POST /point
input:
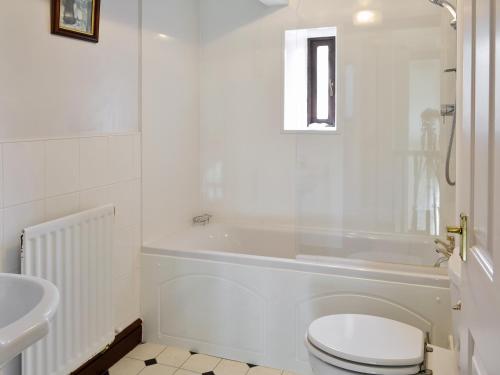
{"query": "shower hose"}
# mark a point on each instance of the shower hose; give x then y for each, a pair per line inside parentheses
(450, 149)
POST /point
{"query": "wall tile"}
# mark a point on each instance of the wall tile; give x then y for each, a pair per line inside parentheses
(126, 299)
(93, 162)
(61, 170)
(24, 177)
(61, 206)
(138, 155)
(126, 245)
(15, 220)
(123, 158)
(1, 176)
(126, 197)
(171, 117)
(2, 268)
(94, 198)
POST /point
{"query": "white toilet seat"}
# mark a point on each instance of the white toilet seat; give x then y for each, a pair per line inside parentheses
(366, 344)
(358, 367)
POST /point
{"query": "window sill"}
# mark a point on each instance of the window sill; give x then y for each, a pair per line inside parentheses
(330, 131)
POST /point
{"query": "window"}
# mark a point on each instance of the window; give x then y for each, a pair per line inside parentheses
(321, 81)
(311, 80)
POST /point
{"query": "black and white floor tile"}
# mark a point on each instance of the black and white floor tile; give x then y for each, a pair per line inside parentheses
(153, 359)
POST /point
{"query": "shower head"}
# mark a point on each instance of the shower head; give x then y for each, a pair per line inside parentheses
(448, 6)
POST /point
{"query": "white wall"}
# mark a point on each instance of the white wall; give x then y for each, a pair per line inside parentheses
(53, 92)
(55, 86)
(213, 113)
(170, 67)
(360, 179)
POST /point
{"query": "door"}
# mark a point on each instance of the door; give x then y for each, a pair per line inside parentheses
(478, 184)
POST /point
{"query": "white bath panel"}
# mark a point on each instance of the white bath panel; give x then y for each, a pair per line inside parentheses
(256, 309)
(210, 309)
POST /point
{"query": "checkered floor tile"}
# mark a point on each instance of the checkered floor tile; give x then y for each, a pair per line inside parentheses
(153, 359)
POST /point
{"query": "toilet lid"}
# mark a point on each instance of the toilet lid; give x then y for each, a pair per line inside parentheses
(360, 368)
(368, 340)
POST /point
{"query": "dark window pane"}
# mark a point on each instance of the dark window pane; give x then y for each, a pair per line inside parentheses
(321, 81)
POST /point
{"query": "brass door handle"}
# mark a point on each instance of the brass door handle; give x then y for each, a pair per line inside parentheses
(454, 230)
(462, 231)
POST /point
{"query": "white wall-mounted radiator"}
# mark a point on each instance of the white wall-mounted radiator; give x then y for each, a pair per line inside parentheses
(75, 253)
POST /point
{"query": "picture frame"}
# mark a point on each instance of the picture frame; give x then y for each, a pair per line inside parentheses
(77, 19)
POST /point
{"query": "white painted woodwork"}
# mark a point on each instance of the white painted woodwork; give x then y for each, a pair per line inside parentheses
(478, 152)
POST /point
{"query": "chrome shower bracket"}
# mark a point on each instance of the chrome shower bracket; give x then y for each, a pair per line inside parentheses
(447, 110)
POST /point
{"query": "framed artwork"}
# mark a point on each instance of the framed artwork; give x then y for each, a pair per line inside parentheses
(76, 19)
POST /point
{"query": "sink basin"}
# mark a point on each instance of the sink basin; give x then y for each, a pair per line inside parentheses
(27, 304)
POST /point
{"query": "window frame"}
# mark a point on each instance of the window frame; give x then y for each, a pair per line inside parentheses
(312, 74)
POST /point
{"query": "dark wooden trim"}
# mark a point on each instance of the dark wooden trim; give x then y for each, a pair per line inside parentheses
(124, 342)
(312, 46)
(55, 17)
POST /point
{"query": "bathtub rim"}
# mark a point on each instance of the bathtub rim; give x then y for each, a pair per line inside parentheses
(353, 268)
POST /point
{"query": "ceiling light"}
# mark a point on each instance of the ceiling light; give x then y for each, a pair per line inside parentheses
(365, 17)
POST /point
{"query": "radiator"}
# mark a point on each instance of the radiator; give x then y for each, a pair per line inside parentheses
(75, 253)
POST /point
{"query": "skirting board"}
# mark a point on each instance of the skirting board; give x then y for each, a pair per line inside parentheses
(124, 342)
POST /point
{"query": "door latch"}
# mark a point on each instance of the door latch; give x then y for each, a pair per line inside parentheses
(462, 231)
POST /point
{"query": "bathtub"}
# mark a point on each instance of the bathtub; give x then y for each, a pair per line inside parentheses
(248, 293)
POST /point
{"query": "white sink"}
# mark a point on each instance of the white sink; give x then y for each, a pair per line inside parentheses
(27, 305)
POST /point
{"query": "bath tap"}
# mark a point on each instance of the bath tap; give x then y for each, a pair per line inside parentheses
(202, 219)
(446, 247)
(441, 260)
(444, 253)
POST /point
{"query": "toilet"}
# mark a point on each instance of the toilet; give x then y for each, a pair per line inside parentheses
(363, 344)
